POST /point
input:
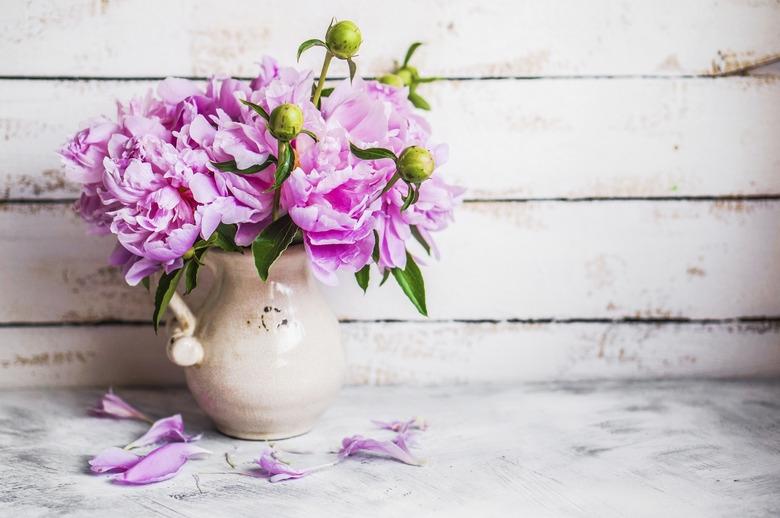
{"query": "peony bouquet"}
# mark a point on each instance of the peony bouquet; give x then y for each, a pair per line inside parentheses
(350, 172)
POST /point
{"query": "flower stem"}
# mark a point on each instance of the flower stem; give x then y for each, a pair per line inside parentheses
(278, 192)
(321, 83)
(390, 184)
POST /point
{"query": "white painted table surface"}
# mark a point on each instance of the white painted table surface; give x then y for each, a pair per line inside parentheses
(650, 448)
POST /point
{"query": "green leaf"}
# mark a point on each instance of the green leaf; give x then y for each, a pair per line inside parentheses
(145, 282)
(162, 296)
(374, 153)
(352, 69)
(271, 242)
(420, 239)
(257, 108)
(411, 198)
(191, 275)
(409, 53)
(385, 276)
(306, 45)
(326, 92)
(311, 134)
(193, 268)
(284, 167)
(231, 167)
(419, 102)
(411, 281)
(225, 238)
(375, 252)
(362, 277)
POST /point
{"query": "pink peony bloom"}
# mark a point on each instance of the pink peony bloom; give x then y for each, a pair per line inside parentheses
(363, 118)
(269, 70)
(432, 212)
(381, 116)
(149, 179)
(404, 121)
(334, 206)
(224, 197)
(83, 155)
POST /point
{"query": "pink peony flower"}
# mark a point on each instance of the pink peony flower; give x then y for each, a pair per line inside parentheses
(363, 118)
(83, 155)
(333, 203)
(149, 179)
(224, 197)
(404, 121)
(432, 212)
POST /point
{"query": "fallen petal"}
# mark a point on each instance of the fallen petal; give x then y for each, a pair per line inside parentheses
(111, 405)
(406, 439)
(161, 464)
(401, 426)
(351, 445)
(166, 429)
(276, 470)
(113, 459)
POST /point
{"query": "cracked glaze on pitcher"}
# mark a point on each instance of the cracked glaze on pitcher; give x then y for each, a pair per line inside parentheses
(263, 360)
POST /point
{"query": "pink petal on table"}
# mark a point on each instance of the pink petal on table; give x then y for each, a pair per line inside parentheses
(113, 459)
(276, 471)
(166, 429)
(111, 405)
(161, 464)
(401, 426)
(406, 439)
(351, 445)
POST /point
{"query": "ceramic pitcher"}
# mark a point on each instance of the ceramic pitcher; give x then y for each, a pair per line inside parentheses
(262, 359)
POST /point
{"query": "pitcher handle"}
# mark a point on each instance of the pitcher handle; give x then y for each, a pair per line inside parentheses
(183, 348)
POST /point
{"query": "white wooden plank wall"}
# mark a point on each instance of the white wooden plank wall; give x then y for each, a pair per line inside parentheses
(622, 160)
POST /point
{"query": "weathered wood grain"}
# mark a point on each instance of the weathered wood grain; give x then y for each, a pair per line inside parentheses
(464, 39)
(556, 139)
(417, 353)
(681, 448)
(620, 259)
(78, 356)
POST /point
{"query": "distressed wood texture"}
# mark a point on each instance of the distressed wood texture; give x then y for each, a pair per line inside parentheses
(465, 39)
(642, 449)
(619, 259)
(415, 353)
(558, 138)
(621, 159)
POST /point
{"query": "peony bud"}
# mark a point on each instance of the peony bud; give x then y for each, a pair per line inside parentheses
(392, 80)
(286, 122)
(343, 39)
(415, 164)
(408, 75)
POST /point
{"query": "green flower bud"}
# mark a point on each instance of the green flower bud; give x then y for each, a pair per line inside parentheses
(392, 80)
(415, 164)
(286, 122)
(343, 39)
(408, 75)
(189, 253)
